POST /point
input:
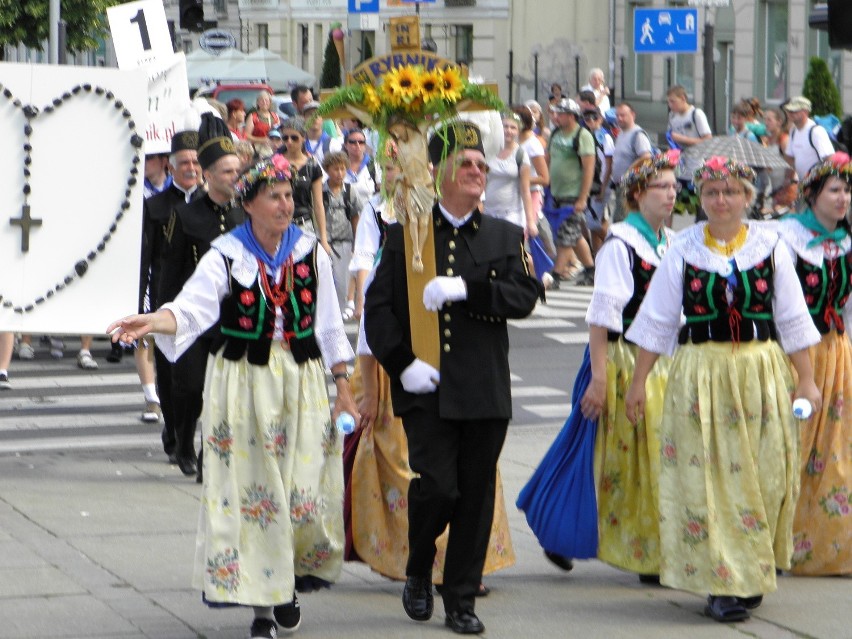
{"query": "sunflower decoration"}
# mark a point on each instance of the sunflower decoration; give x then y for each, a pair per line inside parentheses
(452, 85)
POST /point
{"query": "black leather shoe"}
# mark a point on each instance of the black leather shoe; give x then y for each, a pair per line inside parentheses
(417, 598)
(464, 623)
(750, 603)
(558, 560)
(187, 466)
(725, 609)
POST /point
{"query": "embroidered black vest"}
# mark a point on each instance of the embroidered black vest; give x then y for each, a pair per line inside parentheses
(710, 317)
(826, 288)
(248, 317)
(641, 272)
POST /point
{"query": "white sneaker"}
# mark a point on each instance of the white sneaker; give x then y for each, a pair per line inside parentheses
(547, 281)
(57, 348)
(86, 361)
(25, 351)
(152, 413)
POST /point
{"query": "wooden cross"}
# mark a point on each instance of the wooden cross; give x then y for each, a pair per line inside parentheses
(26, 222)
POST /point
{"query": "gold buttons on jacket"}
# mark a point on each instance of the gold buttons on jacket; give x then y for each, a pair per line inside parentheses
(449, 271)
(452, 245)
(451, 259)
(455, 232)
(446, 317)
(446, 348)
(222, 228)
(447, 333)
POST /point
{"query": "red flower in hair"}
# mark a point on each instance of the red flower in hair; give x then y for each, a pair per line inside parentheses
(716, 163)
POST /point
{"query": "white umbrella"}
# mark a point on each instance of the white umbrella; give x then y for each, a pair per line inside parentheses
(203, 68)
(739, 149)
(263, 65)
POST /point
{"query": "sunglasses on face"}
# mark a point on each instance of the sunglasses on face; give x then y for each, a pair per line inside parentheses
(591, 117)
(359, 142)
(467, 163)
(291, 138)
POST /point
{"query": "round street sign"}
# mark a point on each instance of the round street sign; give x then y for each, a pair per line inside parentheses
(217, 40)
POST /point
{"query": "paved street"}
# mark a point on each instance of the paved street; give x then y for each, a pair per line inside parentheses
(97, 531)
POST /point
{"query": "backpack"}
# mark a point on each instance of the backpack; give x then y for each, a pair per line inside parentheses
(831, 124)
(596, 178)
(347, 200)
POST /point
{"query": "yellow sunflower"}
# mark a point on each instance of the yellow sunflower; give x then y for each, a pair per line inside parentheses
(371, 99)
(401, 85)
(451, 84)
(431, 84)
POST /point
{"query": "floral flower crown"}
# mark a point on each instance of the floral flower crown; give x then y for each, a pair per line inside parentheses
(718, 167)
(838, 165)
(640, 172)
(269, 171)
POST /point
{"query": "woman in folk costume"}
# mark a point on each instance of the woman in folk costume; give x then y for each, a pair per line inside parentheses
(376, 468)
(729, 446)
(271, 517)
(819, 241)
(626, 457)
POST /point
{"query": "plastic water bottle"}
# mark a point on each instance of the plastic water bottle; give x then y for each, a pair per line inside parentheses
(345, 423)
(802, 408)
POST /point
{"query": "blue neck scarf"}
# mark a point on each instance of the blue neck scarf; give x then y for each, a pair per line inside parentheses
(810, 222)
(245, 234)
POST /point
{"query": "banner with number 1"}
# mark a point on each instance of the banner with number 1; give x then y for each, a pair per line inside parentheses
(140, 33)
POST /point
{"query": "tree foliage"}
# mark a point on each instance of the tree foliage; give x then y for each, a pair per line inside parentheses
(27, 22)
(820, 89)
(330, 76)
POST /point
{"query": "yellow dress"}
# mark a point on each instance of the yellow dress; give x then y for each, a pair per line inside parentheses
(627, 466)
(379, 497)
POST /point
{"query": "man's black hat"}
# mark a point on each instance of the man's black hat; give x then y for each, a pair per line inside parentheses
(452, 137)
(214, 140)
(185, 141)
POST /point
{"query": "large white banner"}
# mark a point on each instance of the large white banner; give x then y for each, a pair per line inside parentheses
(71, 176)
(168, 102)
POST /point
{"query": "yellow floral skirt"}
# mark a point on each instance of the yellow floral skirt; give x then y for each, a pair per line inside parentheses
(822, 528)
(272, 500)
(627, 466)
(379, 484)
(728, 469)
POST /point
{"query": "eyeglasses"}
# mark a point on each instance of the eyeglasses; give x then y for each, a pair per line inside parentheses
(358, 142)
(590, 117)
(291, 138)
(711, 194)
(666, 186)
(467, 163)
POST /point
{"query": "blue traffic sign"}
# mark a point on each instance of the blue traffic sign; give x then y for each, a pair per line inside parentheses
(363, 6)
(664, 30)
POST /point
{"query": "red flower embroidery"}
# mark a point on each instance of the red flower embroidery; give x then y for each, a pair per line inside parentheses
(761, 285)
(305, 322)
(695, 285)
(245, 323)
(757, 308)
(247, 298)
(759, 264)
(700, 309)
(809, 299)
(306, 296)
(812, 279)
(302, 271)
(645, 266)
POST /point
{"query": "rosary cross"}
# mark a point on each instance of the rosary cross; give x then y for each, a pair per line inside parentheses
(26, 222)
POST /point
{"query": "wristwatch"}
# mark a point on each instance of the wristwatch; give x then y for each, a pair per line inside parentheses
(337, 376)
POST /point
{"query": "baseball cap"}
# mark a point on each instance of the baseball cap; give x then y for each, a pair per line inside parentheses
(566, 105)
(798, 103)
(274, 133)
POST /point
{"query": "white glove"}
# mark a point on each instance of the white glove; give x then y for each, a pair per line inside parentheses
(443, 289)
(420, 378)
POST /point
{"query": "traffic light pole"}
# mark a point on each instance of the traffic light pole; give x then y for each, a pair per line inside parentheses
(53, 32)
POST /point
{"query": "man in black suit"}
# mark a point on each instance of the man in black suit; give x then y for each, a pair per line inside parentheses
(156, 213)
(455, 418)
(191, 229)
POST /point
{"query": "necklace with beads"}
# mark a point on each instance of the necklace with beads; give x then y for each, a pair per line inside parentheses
(26, 222)
(725, 248)
(277, 292)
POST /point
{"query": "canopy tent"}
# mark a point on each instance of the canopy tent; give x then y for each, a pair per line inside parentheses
(263, 65)
(203, 68)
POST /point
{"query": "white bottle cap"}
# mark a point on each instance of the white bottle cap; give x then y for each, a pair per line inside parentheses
(802, 408)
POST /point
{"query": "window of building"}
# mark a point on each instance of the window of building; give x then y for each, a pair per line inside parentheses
(684, 72)
(221, 7)
(304, 45)
(775, 52)
(464, 42)
(262, 35)
(818, 47)
(640, 64)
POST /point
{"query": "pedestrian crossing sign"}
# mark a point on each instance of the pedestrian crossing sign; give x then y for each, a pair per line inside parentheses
(665, 30)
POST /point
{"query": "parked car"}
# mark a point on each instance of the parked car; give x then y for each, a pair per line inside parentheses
(247, 92)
